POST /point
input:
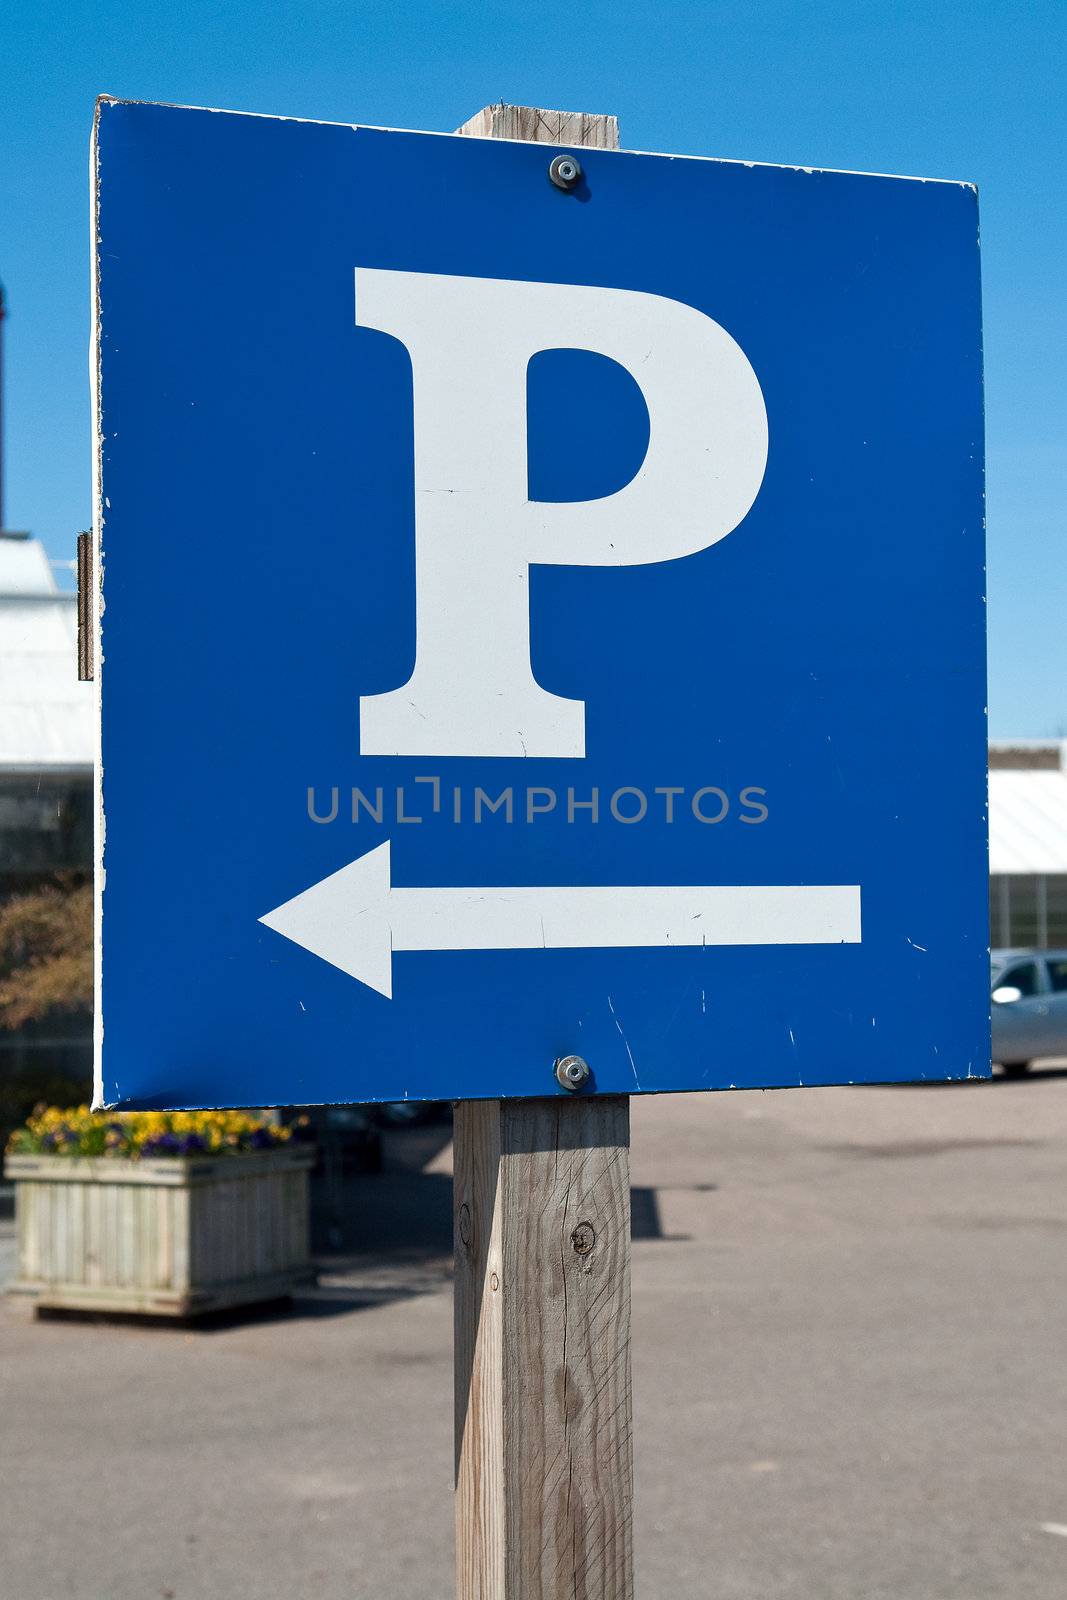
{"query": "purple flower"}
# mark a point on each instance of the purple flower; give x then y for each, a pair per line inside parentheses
(162, 1144)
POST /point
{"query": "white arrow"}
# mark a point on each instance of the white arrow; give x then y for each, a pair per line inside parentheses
(355, 919)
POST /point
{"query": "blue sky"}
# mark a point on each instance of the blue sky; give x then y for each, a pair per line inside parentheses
(944, 90)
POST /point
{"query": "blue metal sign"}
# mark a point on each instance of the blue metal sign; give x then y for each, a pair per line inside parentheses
(536, 621)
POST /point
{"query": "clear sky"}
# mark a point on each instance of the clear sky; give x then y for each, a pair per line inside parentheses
(958, 90)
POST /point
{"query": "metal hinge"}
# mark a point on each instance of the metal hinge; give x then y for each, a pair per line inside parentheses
(86, 612)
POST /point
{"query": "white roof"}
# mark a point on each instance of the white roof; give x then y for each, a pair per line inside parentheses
(1027, 821)
(46, 716)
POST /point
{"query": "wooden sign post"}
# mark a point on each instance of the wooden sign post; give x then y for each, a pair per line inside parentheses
(544, 1457)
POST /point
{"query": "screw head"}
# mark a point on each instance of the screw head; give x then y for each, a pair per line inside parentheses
(564, 171)
(572, 1073)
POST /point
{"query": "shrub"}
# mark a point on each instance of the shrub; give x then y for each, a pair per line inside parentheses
(46, 953)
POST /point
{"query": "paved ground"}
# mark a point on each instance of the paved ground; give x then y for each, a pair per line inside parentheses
(850, 1370)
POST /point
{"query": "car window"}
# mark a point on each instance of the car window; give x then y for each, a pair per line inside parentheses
(1023, 977)
(1057, 971)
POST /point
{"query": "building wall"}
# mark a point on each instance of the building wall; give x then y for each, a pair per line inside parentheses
(45, 838)
(46, 808)
(1028, 910)
(46, 826)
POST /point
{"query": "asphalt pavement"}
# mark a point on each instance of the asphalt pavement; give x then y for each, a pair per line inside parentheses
(850, 1378)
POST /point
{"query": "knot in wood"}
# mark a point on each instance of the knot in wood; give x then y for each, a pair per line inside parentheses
(466, 1226)
(583, 1238)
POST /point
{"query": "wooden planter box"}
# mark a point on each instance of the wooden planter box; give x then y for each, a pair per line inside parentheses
(171, 1236)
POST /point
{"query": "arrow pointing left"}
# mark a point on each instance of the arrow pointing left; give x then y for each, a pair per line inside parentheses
(355, 919)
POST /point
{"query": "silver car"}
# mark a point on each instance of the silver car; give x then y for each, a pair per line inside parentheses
(1029, 1007)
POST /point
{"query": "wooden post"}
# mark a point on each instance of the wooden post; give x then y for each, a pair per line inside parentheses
(544, 1469)
(567, 128)
(544, 1456)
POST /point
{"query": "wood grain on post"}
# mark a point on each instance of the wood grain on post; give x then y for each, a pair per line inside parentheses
(538, 126)
(544, 1468)
(544, 1455)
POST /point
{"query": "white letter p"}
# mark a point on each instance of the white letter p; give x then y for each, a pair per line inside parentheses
(472, 692)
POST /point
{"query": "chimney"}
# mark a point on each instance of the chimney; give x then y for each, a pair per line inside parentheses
(5, 532)
(2, 314)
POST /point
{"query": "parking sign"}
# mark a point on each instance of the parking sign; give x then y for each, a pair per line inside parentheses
(538, 618)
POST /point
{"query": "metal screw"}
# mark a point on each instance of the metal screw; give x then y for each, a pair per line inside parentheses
(564, 171)
(572, 1073)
